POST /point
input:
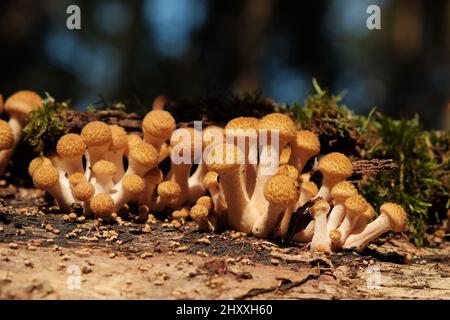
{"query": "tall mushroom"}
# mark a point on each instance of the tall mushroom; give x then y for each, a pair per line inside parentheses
(117, 149)
(392, 218)
(97, 137)
(335, 167)
(6, 143)
(104, 173)
(354, 208)
(320, 238)
(70, 149)
(157, 127)
(339, 193)
(305, 146)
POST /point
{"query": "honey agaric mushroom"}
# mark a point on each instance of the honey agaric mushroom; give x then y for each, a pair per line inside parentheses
(169, 193)
(84, 191)
(289, 171)
(339, 193)
(117, 148)
(142, 158)
(305, 146)
(97, 137)
(102, 205)
(131, 187)
(36, 163)
(152, 179)
(392, 218)
(18, 106)
(335, 167)
(354, 208)
(46, 178)
(308, 190)
(274, 123)
(70, 149)
(157, 127)
(320, 238)
(6, 143)
(103, 173)
(281, 191)
(211, 183)
(335, 239)
(76, 178)
(132, 140)
(225, 159)
(363, 220)
(202, 213)
(245, 131)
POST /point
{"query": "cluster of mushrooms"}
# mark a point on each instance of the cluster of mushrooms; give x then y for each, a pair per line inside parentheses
(217, 181)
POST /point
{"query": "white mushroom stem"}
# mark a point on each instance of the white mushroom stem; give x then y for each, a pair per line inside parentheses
(241, 214)
(195, 185)
(97, 153)
(372, 231)
(116, 157)
(267, 221)
(59, 165)
(360, 225)
(320, 240)
(180, 174)
(347, 224)
(336, 216)
(306, 234)
(121, 197)
(103, 184)
(72, 165)
(327, 184)
(62, 195)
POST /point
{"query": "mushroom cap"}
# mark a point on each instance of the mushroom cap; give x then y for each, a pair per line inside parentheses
(169, 189)
(281, 122)
(102, 205)
(199, 212)
(23, 102)
(159, 124)
(133, 139)
(36, 163)
(6, 136)
(119, 138)
(210, 180)
(84, 191)
(309, 187)
(285, 155)
(206, 202)
(396, 214)
(76, 178)
(356, 204)
(96, 133)
(244, 123)
(336, 165)
(154, 176)
(45, 177)
(307, 142)
(342, 190)
(281, 190)
(182, 213)
(212, 134)
(224, 157)
(133, 184)
(369, 214)
(104, 168)
(289, 171)
(70, 145)
(320, 206)
(144, 154)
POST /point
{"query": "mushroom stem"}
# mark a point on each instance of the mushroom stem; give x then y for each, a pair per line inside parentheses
(336, 216)
(196, 188)
(373, 230)
(320, 240)
(116, 157)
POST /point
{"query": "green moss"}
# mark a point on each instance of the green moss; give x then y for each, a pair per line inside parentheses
(45, 125)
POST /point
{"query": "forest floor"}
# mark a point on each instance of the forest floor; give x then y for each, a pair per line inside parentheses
(44, 257)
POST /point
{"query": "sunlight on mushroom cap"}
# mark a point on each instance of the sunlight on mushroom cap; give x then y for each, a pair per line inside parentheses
(45, 177)
(70, 145)
(96, 133)
(342, 190)
(336, 165)
(396, 214)
(84, 191)
(159, 124)
(281, 122)
(281, 190)
(119, 138)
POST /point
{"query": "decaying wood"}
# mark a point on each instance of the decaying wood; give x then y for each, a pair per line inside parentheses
(75, 120)
(374, 166)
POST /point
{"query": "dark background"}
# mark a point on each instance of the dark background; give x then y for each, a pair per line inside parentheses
(137, 49)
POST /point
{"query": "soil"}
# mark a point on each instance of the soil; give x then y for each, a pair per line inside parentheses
(44, 257)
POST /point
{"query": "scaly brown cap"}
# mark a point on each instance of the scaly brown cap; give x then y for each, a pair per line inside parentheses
(199, 212)
(104, 168)
(281, 191)
(133, 184)
(133, 139)
(212, 134)
(145, 155)
(84, 191)
(336, 165)
(224, 157)
(119, 138)
(309, 187)
(206, 202)
(96, 133)
(6, 136)
(210, 180)
(45, 177)
(22, 103)
(169, 189)
(244, 123)
(289, 171)
(369, 214)
(356, 204)
(159, 124)
(320, 206)
(396, 214)
(70, 145)
(342, 190)
(37, 163)
(76, 178)
(102, 205)
(307, 143)
(281, 122)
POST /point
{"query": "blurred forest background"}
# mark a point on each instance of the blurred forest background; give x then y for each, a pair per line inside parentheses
(138, 49)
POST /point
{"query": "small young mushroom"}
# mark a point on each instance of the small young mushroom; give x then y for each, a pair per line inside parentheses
(76, 178)
(335, 239)
(157, 127)
(202, 213)
(305, 146)
(142, 158)
(97, 137)
(102, 205)
(339, 193)
(226, 159)
(211, 183)
(18, 106)
(47, 178)
(281, 191)
(335, 167)
(84, 191)
(131, 186)
(366, 217)
(169, 193)
(392, 218)
(104, 173)
(117, 148)
(70, 149)
(6, 143)
(354, 208)
(36, 163)
(319, 213)
(152, 179)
